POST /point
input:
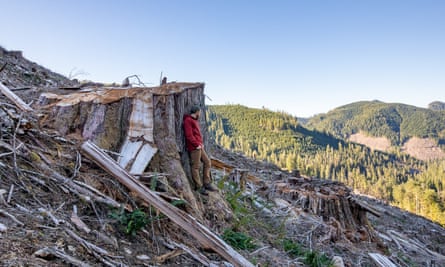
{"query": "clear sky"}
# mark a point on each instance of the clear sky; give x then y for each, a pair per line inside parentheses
(299, 56)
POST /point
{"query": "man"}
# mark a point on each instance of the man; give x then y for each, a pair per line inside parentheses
(195, 147)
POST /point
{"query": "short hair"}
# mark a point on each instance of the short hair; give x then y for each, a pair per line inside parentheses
(194, 109)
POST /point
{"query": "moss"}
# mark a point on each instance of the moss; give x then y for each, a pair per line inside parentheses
(34, 157)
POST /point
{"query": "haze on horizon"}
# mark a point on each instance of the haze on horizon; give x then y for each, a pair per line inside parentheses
(301, 57)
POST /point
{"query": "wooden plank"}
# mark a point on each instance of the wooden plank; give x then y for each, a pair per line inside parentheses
(14, 98)
(128, 152)
(142, 159)
(203, 235)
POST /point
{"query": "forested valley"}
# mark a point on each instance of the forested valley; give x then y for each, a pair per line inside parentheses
(277, 137)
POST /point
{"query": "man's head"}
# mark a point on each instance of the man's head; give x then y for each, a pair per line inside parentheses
(195, 111)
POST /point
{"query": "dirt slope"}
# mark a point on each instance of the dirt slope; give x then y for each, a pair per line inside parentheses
(376, 143)
(420, 148)
(423, 148)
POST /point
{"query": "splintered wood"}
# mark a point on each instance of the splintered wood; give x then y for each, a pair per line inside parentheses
(109, 116)
(139, 148)
(381, 260)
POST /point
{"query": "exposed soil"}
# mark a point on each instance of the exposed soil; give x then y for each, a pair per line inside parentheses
(376, 143)
(423, 148)
(420, 148)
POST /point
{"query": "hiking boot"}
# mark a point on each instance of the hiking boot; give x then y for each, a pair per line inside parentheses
(211, 187)
(203, 191)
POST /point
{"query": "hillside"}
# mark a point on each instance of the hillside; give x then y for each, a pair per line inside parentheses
(58, 207)
(375, 123)
(20, 74)
(261, 133)
(386, 176)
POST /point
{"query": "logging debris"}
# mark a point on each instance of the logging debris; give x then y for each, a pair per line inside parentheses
(60, 202)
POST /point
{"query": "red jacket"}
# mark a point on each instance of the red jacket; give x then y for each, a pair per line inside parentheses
(192, 132)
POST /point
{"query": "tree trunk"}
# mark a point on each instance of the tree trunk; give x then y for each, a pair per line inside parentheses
(169, 136)
(138, 124)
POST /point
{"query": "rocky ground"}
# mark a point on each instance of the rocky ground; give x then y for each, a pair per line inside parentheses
(404, 238)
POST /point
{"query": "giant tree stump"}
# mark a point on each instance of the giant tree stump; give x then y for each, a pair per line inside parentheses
(332, 201)
(139, 124)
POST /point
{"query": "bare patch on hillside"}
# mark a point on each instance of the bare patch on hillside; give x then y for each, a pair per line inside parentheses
(420, 148)
(375, 143)
(423, 148)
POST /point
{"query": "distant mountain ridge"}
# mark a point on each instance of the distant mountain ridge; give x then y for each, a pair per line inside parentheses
(398, 123)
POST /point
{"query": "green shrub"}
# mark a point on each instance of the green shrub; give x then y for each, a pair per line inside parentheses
(238, 240)
(316, 259)
(292, 248)
(132, 221)
(311, 258)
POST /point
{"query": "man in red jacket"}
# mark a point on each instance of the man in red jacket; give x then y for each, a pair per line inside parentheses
(195, 147)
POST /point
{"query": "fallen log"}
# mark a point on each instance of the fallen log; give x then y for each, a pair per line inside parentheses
(202, 234)
(220, 165)
(411, 245)
(366, 206)
(49, 252)
(14, 98)
(381, 260)
(192, 252)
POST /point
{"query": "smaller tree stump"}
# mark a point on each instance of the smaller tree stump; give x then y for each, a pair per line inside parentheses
(239, 178)
(332, 201)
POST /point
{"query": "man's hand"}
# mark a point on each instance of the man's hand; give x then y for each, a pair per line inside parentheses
(199, 147)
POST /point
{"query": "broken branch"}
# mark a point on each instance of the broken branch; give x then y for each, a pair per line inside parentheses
(45, 253)
(4, 213)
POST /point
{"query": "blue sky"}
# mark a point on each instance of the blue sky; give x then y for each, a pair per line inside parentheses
(302, 57)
